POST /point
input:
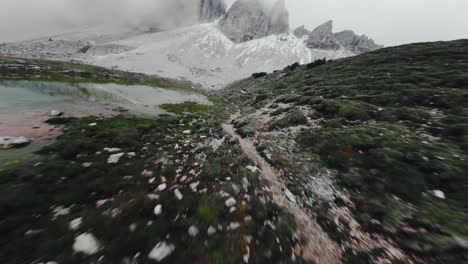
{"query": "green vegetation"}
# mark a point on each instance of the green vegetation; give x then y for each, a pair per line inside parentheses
(57, 71)
(259, 75)
(316, 63)
(394, 124)
(187, 107)
(291, 119)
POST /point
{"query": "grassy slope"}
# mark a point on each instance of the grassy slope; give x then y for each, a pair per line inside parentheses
(46, 70)
(394, 123)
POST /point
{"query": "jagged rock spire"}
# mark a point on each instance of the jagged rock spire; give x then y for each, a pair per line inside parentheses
(323, 38)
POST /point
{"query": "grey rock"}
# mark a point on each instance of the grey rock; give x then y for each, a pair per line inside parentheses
(357, 44)
(55, 113)
(6, 142)
(323, 38)
(301, 32)
(247, 20)
(210, 10)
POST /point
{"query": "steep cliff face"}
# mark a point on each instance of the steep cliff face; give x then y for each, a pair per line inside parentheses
(210, 10)
(279, 18)
(323, 38)
(357, 44)
(248, 19)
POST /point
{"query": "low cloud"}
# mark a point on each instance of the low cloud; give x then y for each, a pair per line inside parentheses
(24, 19)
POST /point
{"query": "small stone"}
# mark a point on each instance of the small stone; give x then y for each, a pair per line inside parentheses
(245, 184)
(194, 186)
(158, 209)
(230, 202)
(193, 231)
(235, 188)
(252, 168)
(13, 141)
(152, 196)
(87, 164)
(186, 132)
(162, 187)
(92, 124)
(86, 243)
(32, 232)
(111, 150)
(211, 231)
(233, 226)
(438, 194)
(60, 211)
(132, 227)
(113, 159)
(289, 195)
(75, 223)
(161, 251)
(55, 113)
(178, 194)
(216, 143)
(147, 173)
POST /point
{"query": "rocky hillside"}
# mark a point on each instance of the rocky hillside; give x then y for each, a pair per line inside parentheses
(375, 146)
(357, 160)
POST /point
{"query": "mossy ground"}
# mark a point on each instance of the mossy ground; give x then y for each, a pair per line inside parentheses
(392, 123)
(187, 107)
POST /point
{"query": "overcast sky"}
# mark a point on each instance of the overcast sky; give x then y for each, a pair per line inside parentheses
(389, 22)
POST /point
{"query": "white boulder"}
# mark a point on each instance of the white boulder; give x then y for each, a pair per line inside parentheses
(86, 243)
(161, 251)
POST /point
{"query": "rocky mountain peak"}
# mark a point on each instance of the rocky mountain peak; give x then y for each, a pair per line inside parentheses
(326, 27)
(322, 37)
(249, 19)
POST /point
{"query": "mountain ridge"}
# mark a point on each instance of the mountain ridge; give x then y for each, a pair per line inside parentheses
(231, 45)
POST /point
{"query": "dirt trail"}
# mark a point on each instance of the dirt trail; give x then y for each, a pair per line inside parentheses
(317, 246)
